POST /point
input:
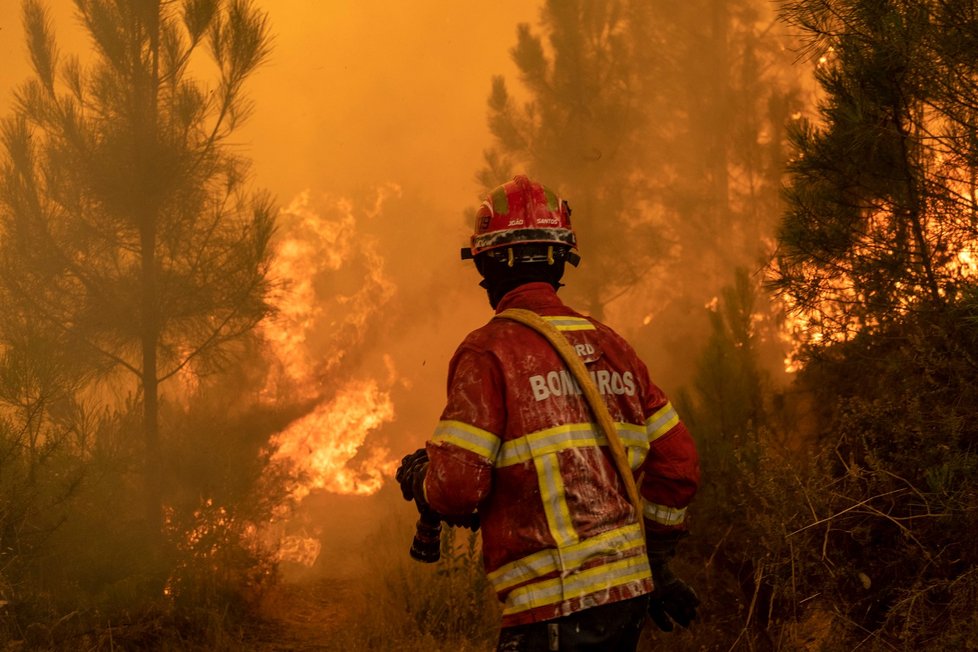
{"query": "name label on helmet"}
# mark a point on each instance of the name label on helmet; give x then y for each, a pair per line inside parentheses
(562, 383)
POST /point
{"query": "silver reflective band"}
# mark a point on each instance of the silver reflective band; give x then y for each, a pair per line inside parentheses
(551, 440)
(568, 559)
(661, 422)
(571, 435)
(578, 585)
(664, 515)
(481, 442)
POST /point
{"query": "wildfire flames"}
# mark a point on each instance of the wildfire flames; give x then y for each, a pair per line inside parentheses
(807, 326)
(333, 288)
(323, 444)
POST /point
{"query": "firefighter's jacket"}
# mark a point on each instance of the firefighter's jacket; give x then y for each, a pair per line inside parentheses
(517, 442)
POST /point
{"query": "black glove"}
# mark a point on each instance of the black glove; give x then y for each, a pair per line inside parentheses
(410, 475)
(672, 600)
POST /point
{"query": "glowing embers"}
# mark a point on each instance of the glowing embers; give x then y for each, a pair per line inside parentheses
(809, 326)
(893, 268)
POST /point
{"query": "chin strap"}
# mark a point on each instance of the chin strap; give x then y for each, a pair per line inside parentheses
(598, 407)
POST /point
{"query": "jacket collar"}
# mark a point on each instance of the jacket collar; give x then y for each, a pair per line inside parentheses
(538, 297)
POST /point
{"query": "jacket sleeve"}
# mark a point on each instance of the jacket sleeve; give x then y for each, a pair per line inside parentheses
(463, 450)
(670, 473)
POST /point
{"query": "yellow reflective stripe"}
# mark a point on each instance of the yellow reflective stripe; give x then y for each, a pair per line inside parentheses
(554, 502)
(635, 457)
(571, 435)
(631, 434)
(661, 422)
(663, 515)
(481, 442)
(570, 323)
(547, 441)
(577, 585)
(568, 559)
(635, 440)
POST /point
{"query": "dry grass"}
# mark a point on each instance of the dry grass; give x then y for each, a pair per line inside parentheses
(405, 605)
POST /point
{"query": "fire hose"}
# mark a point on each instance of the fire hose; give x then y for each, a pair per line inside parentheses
(426, 546)
(598, 407)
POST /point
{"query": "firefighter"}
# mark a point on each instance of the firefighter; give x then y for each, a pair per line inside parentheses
(517, 445)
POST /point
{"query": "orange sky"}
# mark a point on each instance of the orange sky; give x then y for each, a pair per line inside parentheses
(355, 94)
(358, 96)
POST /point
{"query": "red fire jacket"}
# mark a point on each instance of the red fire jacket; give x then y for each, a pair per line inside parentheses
(516, 441)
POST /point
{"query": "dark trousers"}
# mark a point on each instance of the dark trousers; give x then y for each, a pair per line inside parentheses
(611, 627)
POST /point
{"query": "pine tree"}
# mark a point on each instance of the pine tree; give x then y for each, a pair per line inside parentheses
(733, 91)
(664, 125)
(583, 131)
(126, 223)
(881, 219)
(725, 72)
(875, 252)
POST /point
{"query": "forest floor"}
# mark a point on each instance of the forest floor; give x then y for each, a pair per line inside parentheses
(300, 616)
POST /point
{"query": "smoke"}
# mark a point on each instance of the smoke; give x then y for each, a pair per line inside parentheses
(355, 102)
(368, 124)
(358, 316)
(369, 136)
(353, 95)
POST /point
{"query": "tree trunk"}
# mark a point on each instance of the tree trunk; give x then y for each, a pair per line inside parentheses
(147, 145)
(718, 163)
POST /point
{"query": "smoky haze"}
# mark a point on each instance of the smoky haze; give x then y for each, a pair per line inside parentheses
(372, 117)
(357, 97)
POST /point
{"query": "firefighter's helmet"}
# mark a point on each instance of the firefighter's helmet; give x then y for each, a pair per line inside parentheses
(523, 221)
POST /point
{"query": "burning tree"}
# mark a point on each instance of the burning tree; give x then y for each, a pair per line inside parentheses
(882, 208)
(876, 256)
(127, 227)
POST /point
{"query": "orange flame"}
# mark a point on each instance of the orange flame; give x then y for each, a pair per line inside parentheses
(804, 325)
(334, 289)
(323, 444)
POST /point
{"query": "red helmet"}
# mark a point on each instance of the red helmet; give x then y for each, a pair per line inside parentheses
(523, 212)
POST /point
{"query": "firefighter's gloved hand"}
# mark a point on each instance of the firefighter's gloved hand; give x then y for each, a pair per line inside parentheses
(672, 600)
(407, 472)
(410, 475)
